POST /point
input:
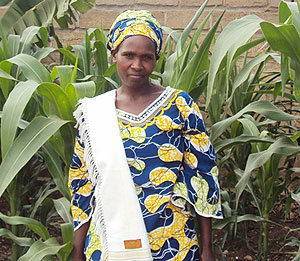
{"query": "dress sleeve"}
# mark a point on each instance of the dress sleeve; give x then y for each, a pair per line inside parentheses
(82, 190)
(197, 182)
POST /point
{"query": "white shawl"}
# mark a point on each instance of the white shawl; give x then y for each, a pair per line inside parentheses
(118, 217)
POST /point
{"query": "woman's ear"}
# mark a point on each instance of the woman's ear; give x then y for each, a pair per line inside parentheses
(113, 55)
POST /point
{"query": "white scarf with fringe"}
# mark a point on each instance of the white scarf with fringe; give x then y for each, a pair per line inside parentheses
(117, 214)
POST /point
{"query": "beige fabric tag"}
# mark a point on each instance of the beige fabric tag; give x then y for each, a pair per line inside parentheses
(132, 244)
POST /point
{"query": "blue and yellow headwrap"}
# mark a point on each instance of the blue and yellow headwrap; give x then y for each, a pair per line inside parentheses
(132, 23)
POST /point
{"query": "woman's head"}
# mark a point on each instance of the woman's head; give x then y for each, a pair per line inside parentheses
(131, 23)
(135, 40)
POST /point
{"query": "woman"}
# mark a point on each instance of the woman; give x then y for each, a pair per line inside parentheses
(153, 136)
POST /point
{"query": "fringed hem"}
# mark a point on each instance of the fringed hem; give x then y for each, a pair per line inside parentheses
(82, 125)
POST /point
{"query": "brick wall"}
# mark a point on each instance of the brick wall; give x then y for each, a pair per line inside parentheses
(173, 13)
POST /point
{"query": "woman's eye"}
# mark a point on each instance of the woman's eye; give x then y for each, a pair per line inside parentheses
(147, 57)
(129, 55)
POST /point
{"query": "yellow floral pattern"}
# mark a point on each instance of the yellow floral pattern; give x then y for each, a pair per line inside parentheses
(153, 202)
(176, 230)
(94, 243)
(183, 107)
(135, 133)
(169, 153)
(201, 187)
(78, 213)
(136, 163)
(200, 141)
(161, 175)
(165, 123)
(86, 190)
(190, 159)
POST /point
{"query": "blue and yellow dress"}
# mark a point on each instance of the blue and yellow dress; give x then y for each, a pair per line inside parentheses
(172, 164)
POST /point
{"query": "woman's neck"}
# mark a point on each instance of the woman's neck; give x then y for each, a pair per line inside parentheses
(135, 100)
(136, 93)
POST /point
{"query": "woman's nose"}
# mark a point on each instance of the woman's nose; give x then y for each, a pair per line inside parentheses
(137, 64)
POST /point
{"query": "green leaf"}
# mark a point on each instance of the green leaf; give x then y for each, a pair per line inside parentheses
(283, 146)
(285, 71)
(34, 225)
(263, 107)
(172, 34)
(54, 166)
(22, 14)
(62, 207)
(43, 53)
(189, 28)
(68, 55)
(45, 210)
(85, 89)
(5, 75)
(245, 48)
(100, 55)
(71, 92)
(80, 51)
(40, 250)
(74, 73)
(22, 123)
(284, 39)
(65, 74)
(6, 83)
(296, 136)
(14, 44)
(220, 224)
(67, 231)
(29, 36)
(243, 74)
(249, 127)
(12, 112)
(25, 146)
(39, 202)
(198, 63)
(4, 2)
(284, 12)
(5, 49)
(21, 241)
(296, 197)
(83, 5)
(169, 69)
(234, 35)
(296, 22)
(59, 101)
(31, 67)
(221, 145)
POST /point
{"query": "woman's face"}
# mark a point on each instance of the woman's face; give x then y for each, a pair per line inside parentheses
(135, 59)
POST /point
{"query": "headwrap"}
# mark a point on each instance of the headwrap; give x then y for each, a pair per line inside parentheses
(132, 23)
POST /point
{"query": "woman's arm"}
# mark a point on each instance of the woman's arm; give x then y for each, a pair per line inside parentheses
(205, 226)
(79, 239)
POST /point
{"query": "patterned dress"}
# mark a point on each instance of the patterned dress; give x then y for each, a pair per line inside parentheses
(172, 164)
